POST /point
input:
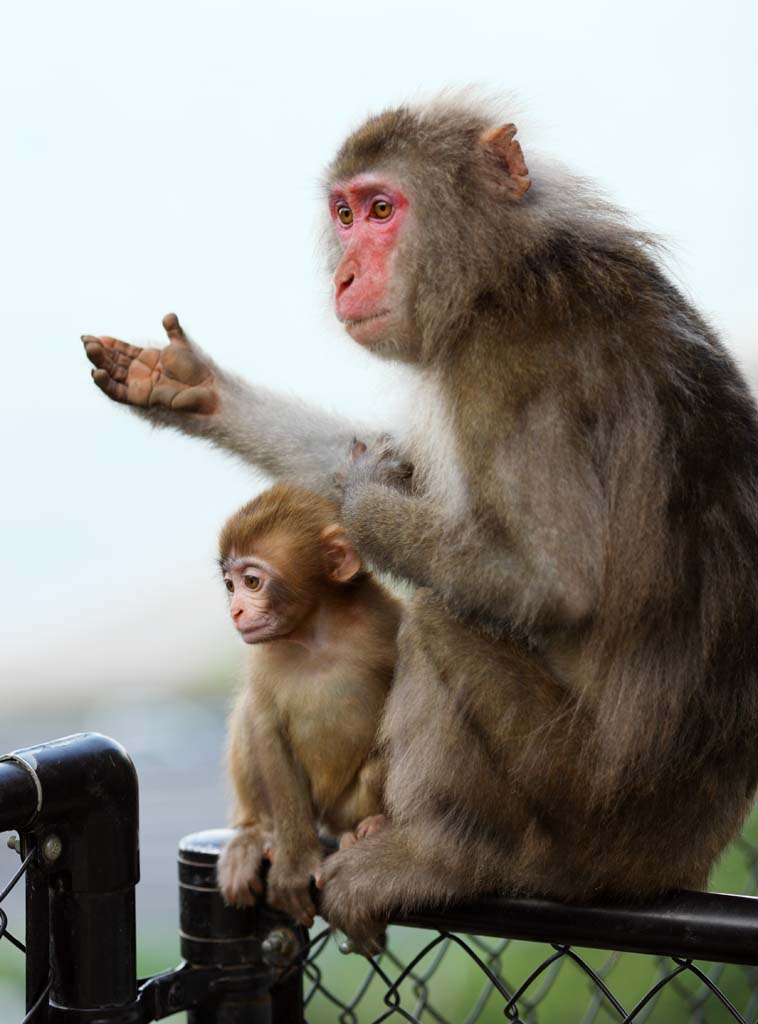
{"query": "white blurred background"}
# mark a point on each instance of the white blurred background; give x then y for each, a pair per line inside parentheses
(166, 156)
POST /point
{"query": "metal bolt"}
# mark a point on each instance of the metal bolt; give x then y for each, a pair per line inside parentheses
(14, 843)
(52, 848)
(346, 946)
(280, 944)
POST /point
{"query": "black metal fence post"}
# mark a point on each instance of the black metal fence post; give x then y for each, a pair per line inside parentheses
(79, 811)
(19, 803)
(247, 987)
(37, 939)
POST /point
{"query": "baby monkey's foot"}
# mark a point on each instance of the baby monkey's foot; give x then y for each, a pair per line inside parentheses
(374, 823)
(367, 827)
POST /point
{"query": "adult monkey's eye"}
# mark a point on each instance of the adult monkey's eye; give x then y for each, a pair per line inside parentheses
(229, 585)
(382, 209)
(345, 214)
(253, 582)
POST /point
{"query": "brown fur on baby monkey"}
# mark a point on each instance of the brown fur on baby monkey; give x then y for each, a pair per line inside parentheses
(303, 752)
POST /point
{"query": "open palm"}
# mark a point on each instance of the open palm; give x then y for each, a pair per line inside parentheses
(176, 377)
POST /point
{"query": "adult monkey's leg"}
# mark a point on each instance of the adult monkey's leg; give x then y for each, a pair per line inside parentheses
(180, 386)
(454, 724)
(383, 873)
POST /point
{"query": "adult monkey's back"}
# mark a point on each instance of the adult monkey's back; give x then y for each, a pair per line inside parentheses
(576, 708)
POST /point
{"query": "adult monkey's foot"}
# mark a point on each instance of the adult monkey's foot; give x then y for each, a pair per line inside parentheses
(358, 890)
(177, 377)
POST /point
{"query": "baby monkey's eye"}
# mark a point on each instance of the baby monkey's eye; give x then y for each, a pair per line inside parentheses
(345, 214)
(382, 209)
(229, 585)
(253, 582)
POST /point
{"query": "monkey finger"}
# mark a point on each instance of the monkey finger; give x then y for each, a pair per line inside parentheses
(372, 945)
(292, 900)
(255, 885)
(174, 329)
(357, 449)
(117, 372)
(307, 914)
(112, 388)
(327, 870)
(348, 839)
(368, 946)
(240, 891)
(114, 345)
(94, 350)
(245, 896)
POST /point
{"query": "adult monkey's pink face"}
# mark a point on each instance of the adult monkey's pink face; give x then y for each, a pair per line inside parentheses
(369, 214)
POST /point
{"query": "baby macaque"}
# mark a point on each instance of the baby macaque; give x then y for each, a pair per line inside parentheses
(303, 755)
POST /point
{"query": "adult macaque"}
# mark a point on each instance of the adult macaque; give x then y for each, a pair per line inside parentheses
(303, 737)
(575, 708)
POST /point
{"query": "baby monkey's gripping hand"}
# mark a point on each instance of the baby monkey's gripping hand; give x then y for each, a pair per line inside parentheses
(289, 883)
(178, 377)
(239, 867)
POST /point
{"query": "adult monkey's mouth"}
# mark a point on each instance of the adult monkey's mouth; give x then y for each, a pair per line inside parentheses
(348, 323)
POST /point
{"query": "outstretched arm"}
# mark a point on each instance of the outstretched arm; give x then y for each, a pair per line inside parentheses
(180, 387)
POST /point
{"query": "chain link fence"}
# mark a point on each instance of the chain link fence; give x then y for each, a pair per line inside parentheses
(456, 979)
(6, 934)
(453, 979)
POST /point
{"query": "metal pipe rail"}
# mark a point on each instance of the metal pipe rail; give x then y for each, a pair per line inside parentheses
(693, 925)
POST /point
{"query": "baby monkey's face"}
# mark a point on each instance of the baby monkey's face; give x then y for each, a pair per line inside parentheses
(283, 560)
(261, 604)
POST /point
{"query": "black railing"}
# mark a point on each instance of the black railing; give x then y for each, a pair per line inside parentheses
(73, 803)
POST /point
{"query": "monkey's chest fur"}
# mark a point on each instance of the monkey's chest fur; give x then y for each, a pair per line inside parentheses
(331, 730)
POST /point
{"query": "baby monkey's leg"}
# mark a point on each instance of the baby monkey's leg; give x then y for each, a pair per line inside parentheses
(364, 801)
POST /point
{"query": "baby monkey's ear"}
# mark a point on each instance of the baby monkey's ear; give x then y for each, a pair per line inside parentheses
(342, 560)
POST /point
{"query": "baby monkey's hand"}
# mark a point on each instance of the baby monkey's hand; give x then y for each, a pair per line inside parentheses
(238, 870)
(289, 884)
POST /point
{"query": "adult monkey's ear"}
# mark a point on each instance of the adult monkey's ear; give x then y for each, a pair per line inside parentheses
(501, 144)
(343, 562)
